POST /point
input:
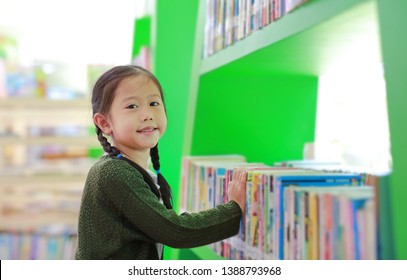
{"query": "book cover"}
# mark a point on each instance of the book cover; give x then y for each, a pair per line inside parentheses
(314, 178)
(333, 231)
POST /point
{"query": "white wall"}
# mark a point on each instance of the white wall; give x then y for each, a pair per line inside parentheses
(92, 31)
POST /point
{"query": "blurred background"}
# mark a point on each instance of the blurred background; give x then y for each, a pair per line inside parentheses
(71, 35)
(51, 53)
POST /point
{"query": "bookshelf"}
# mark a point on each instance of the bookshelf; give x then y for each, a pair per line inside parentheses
(264, 87)
(40, 191)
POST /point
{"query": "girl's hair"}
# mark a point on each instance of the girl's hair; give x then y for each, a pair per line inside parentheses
(102, 98)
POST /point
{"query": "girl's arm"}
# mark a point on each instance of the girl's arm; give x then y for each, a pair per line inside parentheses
(141, 208)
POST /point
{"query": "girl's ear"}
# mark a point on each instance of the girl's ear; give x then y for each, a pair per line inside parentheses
(103, 123)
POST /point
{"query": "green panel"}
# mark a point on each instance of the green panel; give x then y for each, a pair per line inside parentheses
(266, 118)
(173, 55)
(142, 34)
(175, 33)
(393, 21)
(199, 253)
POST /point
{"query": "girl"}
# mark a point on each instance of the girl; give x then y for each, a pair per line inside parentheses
(126, 210)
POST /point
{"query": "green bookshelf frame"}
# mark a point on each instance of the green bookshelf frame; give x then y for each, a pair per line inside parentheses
(394, 45)
(266, 86)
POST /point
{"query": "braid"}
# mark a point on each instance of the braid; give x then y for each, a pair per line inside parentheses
(111, 150)
(165, 188)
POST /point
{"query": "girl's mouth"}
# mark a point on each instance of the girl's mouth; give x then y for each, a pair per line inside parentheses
(147, 130)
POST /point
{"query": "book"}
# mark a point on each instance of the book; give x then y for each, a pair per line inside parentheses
(331, 232)
(256, 235)
(190, 170)
(315, 178)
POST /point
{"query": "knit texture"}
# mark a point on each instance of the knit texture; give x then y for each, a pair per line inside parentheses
(121, 218)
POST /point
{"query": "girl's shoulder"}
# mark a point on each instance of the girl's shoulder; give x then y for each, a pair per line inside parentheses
(113, 167)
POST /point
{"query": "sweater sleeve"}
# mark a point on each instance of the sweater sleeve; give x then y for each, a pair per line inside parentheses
(141, 208)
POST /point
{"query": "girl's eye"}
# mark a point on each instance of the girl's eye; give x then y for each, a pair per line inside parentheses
(132, 106)
(154, 103)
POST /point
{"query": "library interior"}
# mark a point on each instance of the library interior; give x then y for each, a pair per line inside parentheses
(307, 95)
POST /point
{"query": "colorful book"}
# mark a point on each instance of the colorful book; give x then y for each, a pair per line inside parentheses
(312, 179)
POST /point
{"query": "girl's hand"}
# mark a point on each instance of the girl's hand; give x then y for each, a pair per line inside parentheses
(237, 188)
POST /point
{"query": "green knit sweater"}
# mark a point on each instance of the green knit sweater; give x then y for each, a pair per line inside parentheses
(121, 218)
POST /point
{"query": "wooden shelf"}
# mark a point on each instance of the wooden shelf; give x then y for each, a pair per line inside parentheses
(26, 222)
(38, 111)
(43, 103)
(53, 179)
(49, 140)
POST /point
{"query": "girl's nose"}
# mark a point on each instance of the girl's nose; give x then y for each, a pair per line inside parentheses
(147, 115)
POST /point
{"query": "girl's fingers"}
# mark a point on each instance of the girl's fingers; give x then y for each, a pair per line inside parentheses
(239, 170)
(243, 176)
(235, 175)
(239, 175)
(239, 178)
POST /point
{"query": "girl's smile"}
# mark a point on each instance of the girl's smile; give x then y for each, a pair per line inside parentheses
(147, 130)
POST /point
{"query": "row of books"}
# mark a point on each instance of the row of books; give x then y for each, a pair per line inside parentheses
(43, 79)
(37, 200)
(329, 223)
(228, 21)
(291, 213)
(37, 246)
(46, 80)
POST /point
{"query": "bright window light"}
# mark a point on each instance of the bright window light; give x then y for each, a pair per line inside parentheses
(352, 121)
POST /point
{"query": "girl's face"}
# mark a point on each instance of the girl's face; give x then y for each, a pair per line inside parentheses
(137, 116)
